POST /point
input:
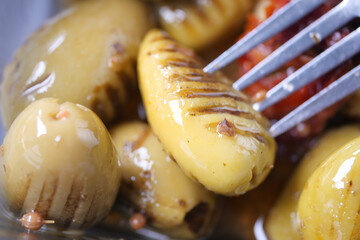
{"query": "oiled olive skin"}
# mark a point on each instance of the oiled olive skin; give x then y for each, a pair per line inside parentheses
(59, 161)
(154, 183)
(210, 128)
(197, 24)
(329, 204)
(282, 222)
(85, 55)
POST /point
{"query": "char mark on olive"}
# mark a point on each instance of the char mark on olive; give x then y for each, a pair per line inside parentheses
(257, 136)
(178, 62)
(160, 37)
(169, 49)
(219, 109)
(45, 200)
(210, 93)
(193, 77)
(90, 216)
(18, 202)
(72, 202)
(175, 48)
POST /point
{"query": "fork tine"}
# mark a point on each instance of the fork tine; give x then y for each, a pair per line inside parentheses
(307, 38)
(285, 17)
(336, 91)
(320, 65)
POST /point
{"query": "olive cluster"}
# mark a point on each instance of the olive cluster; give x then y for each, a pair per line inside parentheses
(76, 76)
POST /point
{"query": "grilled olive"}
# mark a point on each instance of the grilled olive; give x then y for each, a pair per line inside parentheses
(282, 221)
(329, 204)
(59, 161)
(212, 131)
(197, 24)
(85, 55)
(154, 184)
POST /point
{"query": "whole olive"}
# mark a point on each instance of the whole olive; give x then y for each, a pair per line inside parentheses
(85, 55)
(197, 24)
(59, 161)
(155, 185)
(211, 130)
(282, 222)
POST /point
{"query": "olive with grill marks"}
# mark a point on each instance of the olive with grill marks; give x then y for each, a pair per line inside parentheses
(212, 131)
(58, 160)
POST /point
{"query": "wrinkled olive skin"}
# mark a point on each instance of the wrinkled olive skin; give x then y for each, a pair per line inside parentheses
(211, 130)
(282, 223)
(197, 24)
(154, 183)
(329, 204)
(85, 55)
(59, 161)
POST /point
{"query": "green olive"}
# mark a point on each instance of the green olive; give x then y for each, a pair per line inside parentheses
(154, 183)
(59, 161)
(85, 55)
(197, 24)
(212, 131)
(329, 203)
(282, 222)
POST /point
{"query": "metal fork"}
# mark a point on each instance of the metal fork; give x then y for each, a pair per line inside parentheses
(343, 13)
